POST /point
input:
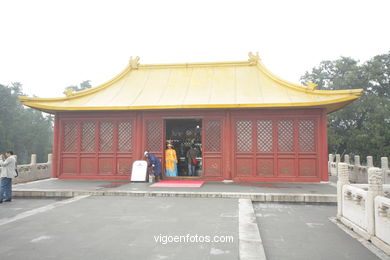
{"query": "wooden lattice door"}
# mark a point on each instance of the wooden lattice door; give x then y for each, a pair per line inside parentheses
(125, 147)
(308, 150)
(244, 147)
(69, 148)
(97, 147)
(212, 147)
(276, 148)
(154, 137)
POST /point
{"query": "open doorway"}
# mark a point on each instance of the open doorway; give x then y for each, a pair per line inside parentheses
(186, 137)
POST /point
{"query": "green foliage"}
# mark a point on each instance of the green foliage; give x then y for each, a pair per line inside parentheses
(23, 130)
(86, 84)
(362, 128)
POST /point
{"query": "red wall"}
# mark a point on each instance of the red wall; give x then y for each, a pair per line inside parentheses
(245, 145)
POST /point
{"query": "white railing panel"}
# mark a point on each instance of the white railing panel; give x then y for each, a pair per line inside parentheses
(382, 218)
(354, 205)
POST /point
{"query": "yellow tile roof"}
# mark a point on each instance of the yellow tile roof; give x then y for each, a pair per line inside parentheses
(244, 84)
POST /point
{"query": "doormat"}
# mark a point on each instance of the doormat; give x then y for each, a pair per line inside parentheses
(178, 184)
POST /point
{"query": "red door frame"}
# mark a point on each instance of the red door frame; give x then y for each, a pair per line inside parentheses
(187, 114)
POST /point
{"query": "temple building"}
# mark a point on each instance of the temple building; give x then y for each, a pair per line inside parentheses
(245, 123)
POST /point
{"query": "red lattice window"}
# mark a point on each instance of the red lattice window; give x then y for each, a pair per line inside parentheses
(244, 135)
(125, 136)
(106, 137)
(213, 135)
(154, 135)
(70, 137)
(306, 130)
(286, 136)
(88, 137)
(265, 136)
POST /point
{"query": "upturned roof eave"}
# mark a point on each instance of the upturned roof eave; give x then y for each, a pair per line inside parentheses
(330, 106)
(53, 104)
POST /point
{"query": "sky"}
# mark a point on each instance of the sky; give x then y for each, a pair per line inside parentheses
(48, 45)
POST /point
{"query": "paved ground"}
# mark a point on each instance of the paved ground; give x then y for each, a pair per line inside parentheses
(333, 179)
(249, 187)
(304, 231)
(119, 228)
(17, 206)
(123, 227)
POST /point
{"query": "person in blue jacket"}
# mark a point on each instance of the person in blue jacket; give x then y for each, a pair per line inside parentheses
(155, 164)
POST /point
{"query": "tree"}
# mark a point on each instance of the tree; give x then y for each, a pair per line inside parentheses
(362, 128)
(23, 130)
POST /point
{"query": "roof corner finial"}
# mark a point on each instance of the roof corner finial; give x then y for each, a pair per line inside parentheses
(134, 62)
(311, 85)
(69, 92)
(253, 59)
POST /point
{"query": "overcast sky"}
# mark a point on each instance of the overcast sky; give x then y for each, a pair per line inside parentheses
(48, 45)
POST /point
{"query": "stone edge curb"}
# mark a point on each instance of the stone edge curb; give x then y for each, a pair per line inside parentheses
(375, 248)
(258, 197)
(250, 243)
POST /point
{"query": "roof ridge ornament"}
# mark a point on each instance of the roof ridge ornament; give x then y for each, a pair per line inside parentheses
(253, 59)
(311, 85)
(134, 63)
(69, 92)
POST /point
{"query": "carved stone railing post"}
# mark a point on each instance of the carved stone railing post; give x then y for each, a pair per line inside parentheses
(346, 159)
(338, 159)
(49, 158)
(375, 188)
(370, 162)
(33, 159)
(385, 169)
(330, 160)
(356, 159)
(343, 179)
(356, 169)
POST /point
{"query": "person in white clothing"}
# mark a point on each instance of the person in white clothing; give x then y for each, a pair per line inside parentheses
(8, 167)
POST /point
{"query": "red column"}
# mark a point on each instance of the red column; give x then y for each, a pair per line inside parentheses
(55, 158)
(227, 155)
(324, 151)
(139, 134)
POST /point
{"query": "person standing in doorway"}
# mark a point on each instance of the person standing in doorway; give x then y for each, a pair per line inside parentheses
(170, 161)
(191, 160)
(155, 164)
(8, 167)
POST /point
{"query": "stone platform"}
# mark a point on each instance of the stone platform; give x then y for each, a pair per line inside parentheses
(255, 191)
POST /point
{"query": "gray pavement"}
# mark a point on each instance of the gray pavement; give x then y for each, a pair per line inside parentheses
(333, 179)
(17, 206)
(122, 228)
(304, 231)
(115, 185)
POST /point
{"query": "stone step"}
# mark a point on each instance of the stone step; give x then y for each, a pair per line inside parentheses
(261, 197)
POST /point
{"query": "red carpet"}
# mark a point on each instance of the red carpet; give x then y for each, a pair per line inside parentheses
(178, 184)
